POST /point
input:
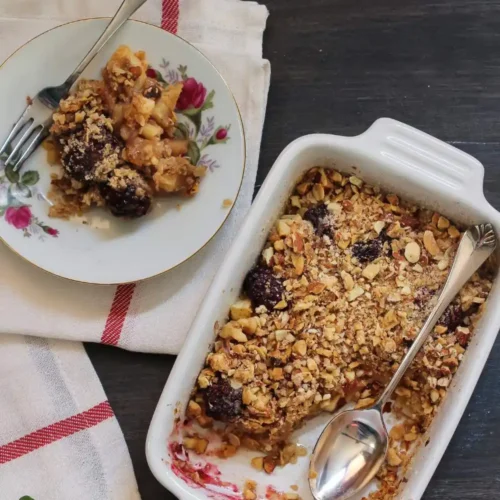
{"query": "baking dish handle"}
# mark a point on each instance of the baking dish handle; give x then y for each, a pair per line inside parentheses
(424, 159)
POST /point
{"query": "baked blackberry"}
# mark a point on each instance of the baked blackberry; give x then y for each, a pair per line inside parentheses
(319, 217)
(454, 316)
(263, 287)
(126, 193)
(366, 251)
(84, 150)
(222, 401)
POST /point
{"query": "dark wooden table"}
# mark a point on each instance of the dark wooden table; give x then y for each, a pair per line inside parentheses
(337, 65)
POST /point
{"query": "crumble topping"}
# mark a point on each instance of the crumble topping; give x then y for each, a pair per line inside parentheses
(344, 283)
(115, 141)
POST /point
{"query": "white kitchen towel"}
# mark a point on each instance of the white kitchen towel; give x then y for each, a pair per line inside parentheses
(153, 316)
(59, 438)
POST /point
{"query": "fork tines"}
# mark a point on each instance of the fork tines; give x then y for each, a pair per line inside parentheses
(26, 134)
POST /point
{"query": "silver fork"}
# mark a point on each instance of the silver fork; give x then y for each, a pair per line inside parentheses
(33, 125)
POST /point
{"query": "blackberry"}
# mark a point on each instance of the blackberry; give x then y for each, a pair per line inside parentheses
(263, 287)
(319, 217)
(366, 251)
(452, 317)
(81, 154)
(222, 401)
(126, 193)
(407, 342)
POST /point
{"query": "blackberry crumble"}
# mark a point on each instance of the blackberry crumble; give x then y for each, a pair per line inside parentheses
(322, 322)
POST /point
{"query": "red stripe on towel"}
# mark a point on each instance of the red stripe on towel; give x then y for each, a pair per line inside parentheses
(170, 15)
(117, 314)
(55, 432)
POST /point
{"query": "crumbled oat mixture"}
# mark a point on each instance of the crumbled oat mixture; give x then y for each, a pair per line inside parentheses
(122, 125)
(342, 287)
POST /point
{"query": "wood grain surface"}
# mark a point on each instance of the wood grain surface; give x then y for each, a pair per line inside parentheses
(338, 65)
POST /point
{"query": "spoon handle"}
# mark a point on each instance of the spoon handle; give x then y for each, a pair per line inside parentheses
(477, 244)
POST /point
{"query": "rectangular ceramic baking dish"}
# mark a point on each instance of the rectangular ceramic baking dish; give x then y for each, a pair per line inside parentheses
(399, 159)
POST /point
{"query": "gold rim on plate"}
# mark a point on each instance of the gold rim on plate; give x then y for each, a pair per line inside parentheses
(242, 170)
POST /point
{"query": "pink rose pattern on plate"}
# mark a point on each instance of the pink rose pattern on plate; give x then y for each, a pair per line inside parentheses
(199, 129)
(15, 191)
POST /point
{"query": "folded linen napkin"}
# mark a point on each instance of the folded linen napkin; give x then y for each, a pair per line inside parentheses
(59, 438)
(152, 316)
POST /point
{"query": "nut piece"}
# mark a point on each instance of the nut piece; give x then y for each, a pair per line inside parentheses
(365, 403)
(393, 458)
(239, 336)
(443, 264)
(283, 228)
(355, 293)
(390, 346)
(241, 309)
(229, 330)
(300, 347)
(378, 226)
(412, 252)
(370, 271)
(282, 304)
(430, 243)
(279, 245)
(298, 263)
(257, 463)
(249, 325)
(267, 255)
(198, 445)
(269, 465)
(348, 281)
(318, 192)
(453, 232)
(443, 223)
(397, 432)
(440, 329)
(193, 409)
(219, 362)
(356, 181)
(297, 243)
(334, 208)
(248, 494)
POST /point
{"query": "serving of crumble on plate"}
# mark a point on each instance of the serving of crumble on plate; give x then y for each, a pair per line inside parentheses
(116, 141)
(141, 155)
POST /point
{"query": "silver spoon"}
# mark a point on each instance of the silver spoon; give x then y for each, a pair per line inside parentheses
(353, 445)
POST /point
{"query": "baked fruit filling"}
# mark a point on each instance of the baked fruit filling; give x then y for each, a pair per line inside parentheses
(115, 140)
(344, 283)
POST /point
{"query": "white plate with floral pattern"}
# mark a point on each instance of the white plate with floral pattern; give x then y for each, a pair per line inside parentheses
(101, 248)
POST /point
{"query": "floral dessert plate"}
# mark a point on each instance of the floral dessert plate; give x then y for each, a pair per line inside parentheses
(98, 247)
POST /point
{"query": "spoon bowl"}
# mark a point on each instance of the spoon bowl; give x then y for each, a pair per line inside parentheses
(348, 454)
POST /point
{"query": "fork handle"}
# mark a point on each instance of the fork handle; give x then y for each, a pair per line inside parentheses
(127, 8)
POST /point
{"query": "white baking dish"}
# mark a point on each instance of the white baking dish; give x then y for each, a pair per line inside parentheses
(400, 159)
